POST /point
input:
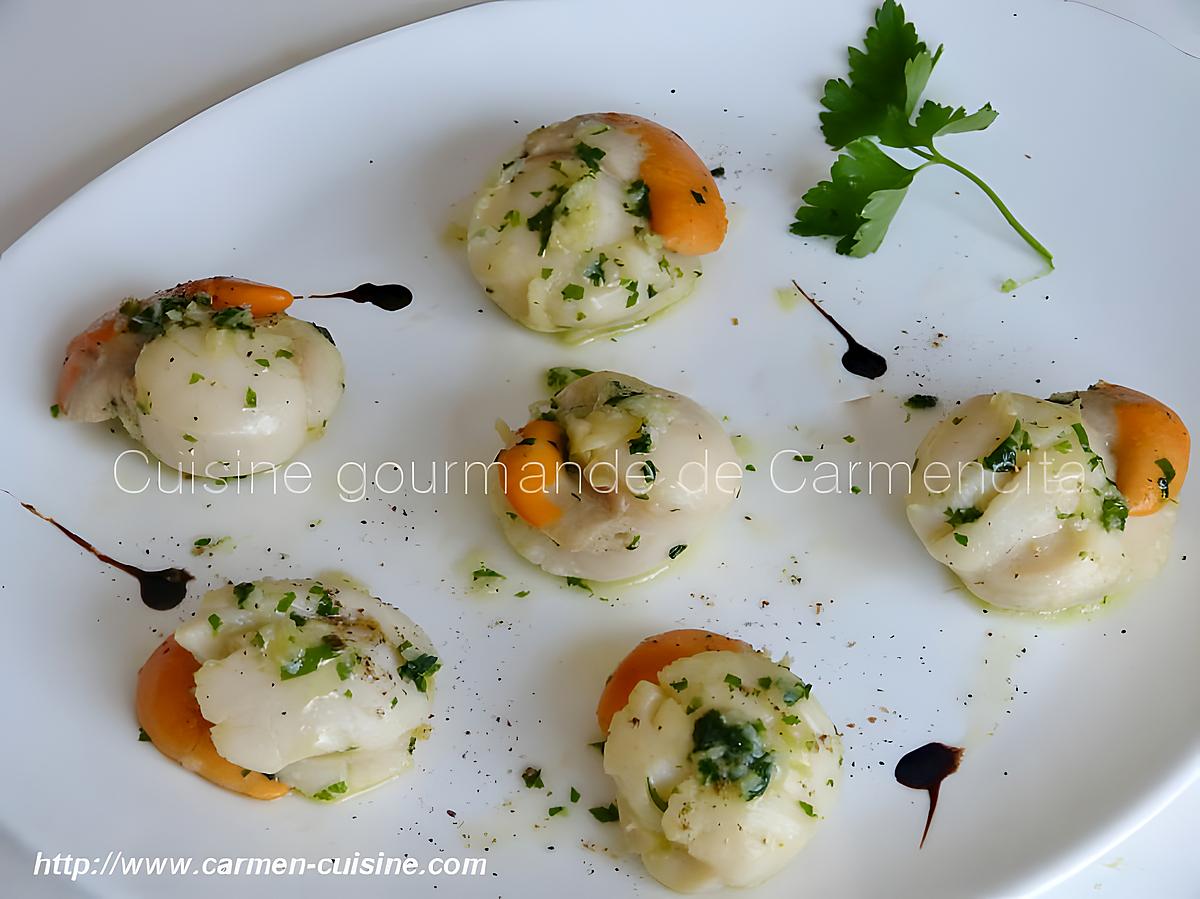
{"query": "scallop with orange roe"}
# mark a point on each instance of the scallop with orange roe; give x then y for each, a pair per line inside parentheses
(170, 716)
(596, 225)
(1043, 505)
(213, 376)
(724, 762)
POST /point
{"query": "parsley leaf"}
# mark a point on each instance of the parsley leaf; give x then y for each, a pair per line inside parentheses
(858, 203)
(877, 101)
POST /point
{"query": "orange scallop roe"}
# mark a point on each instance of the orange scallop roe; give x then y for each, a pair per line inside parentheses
(686, 209)
(169, 714)
(82, 352)
(1146, 431)
(531, 470)
(263, 299)
(650, 657)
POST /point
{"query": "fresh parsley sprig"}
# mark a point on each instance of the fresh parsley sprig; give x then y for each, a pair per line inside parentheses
(877, 104)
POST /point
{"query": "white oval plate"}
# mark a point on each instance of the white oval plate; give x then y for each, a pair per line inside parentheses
(352, 167)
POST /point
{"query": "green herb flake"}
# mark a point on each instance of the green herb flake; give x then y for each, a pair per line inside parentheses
(733, 680)
(961, 539)
(921, 401)
(195, 378)
(605, 814)
(419, 670)
(575, 795)
(143, 737)
(214, 621)
(659, 802)
(590, 155)
(559, 377)
(285, 602)
(807, 808)
(1168, 475)
(555, 810)
(310, 658)
(533, 778)
(573, 292)
(241, 593)
(955, 517)
(251, 399)
(484, 573)
(679, 685)
(674, 551)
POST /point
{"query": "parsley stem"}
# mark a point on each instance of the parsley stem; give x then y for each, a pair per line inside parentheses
(935, 156)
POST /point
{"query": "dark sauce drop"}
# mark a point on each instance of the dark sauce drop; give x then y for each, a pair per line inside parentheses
(161, 590)
(858, 360)
(925, 769)
(390, 297)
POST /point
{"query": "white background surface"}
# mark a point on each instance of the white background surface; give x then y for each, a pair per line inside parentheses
(84, 84)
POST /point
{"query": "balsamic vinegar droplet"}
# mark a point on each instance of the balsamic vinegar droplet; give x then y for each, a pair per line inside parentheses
(858, 360)
(160, 590)
(390, 297)
(924, 769)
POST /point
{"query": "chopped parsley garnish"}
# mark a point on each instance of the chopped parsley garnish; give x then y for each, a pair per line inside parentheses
(631, 287)
(961, 539)
(237, 318)
(921, 401)
(638, 199)
(659, 802)
(55, 411)
(802, 457)
(345, 666)
(483, 573)
(698, 197)
(285, 602)
(765, 683)
(265, 363)
(955, 517)
(606, 814)
(555, 810)
(284, 354)
(575, 795)
(641, 443)
(251, 398)
(580, 583)
(573, 292)
(620, 394)
(330, 791)
(807, 808)
(595, 271)
(733, 680)
(242, 592)
(796, 692)
(675, 550)
(1168, 475)
(533, 778)
(311, 658)
(718, 172)
(214, 621)
(650, 473)
(420, 669)
(559, 377)
(143, 737)
(189, 438)
(729, 753)
(542, 221)
(257, 641)
(1113, 509)
(878, 101)
(633, 544)
(195, 378)
(590, 155)
(679, 685)
(1004, 457)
